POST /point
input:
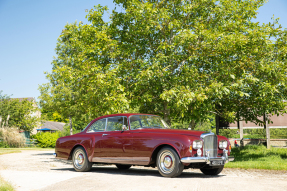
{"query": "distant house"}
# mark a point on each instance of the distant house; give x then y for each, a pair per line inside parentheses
(51, 126)
(278, 122)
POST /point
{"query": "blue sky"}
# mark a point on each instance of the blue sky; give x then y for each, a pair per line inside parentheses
(29, 30)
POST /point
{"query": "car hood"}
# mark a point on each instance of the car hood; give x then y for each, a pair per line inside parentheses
(171, 131)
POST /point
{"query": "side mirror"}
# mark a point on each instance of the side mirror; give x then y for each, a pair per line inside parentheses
(124, 128)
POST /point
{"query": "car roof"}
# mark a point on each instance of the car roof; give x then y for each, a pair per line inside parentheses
(120, 114)
(113, 115)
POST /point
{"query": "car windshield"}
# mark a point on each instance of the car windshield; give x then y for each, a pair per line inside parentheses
(147, 121)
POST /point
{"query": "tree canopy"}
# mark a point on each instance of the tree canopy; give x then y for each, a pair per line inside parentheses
(20, 113)
(183, 60)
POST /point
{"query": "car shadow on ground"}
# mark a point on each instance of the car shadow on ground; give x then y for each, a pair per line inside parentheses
(137, 172)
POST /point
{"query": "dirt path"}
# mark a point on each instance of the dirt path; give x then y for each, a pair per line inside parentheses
(39, 170)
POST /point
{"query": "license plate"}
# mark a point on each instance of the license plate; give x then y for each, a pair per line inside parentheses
(216, 163)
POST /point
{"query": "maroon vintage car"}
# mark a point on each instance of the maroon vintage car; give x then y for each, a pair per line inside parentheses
(143, 139)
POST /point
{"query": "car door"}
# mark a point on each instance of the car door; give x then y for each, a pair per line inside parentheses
(116, 143)
(97, 129)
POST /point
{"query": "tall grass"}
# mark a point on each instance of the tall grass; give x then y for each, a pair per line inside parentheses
(5, 186)
(10, 137)
(259, 157)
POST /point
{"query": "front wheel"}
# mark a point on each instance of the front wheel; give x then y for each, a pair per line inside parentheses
(212, 171)
(168, 163)
(80, 160)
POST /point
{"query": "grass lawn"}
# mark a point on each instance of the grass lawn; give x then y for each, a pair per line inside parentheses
(259, 157)
(18, 150)
(5, 186)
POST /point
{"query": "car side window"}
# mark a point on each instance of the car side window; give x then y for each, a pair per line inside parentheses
(135, 124)
(98, 126)
(116, 123)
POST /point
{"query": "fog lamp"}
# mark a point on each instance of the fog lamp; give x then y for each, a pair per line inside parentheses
(199, 152)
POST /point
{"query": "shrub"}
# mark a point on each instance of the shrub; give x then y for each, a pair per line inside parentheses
(11, 137)
(47, 139)
(229, 133)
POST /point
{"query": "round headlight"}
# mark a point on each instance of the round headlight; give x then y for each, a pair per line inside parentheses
(197, 144)
(222, 144)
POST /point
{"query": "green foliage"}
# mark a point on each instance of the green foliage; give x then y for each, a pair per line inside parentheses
(276, 133)
(259, 157)
(229, 133)
(183, 60)
(20, 112)
(11, 138)
(5, 186)
(51, 115)
(46, 139)
(66, 130)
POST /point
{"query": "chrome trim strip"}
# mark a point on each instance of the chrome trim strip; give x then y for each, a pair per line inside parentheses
(122, 160)
(205, 134)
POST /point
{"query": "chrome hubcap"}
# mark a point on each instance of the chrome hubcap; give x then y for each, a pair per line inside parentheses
(79, 159)
(166, 159)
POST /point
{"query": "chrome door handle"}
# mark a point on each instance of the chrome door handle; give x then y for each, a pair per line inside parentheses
(105, 135)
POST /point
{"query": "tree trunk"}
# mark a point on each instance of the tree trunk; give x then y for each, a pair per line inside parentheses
(0, 121)
(217, 124)
(7, 120)
(266, 127)
(166, 113)
(71, 126)
(192, 124)
(240, 127)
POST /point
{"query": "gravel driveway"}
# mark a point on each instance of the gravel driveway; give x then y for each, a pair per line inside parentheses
(39, 170)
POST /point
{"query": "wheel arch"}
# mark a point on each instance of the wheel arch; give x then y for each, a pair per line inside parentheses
(75, 146)
(158, 148)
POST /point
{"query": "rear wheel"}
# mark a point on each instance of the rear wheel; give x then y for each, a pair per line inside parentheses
(212, 171)
(80, 160)
(168, 163)
(123, 167)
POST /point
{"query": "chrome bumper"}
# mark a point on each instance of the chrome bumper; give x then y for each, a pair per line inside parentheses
(208, 159)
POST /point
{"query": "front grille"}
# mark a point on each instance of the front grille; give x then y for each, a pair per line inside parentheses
(210, 143)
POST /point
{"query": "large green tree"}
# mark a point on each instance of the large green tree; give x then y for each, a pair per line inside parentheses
(83, 83)
(187, 59)
(183, 60)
